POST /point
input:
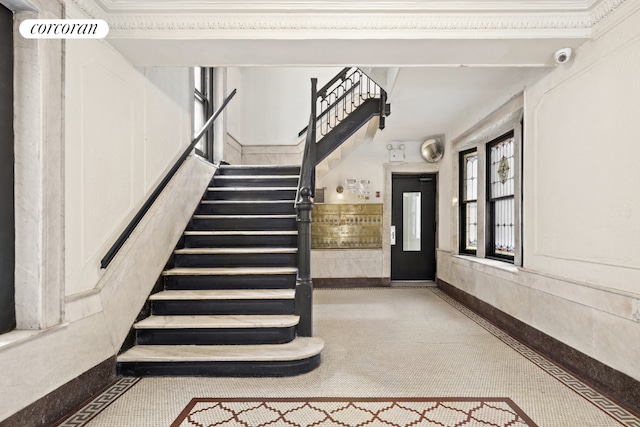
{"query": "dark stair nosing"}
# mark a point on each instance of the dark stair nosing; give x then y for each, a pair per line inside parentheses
(298, 356)
(239, 170)
(238, 369)
(215, 336)
(182, 302)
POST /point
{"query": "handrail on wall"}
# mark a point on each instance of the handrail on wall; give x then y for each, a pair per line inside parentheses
(111, 253)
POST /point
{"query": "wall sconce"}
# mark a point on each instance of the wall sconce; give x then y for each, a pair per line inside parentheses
(340, 190)
(396, 154)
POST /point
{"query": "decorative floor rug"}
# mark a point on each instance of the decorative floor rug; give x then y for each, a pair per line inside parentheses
(356, 412)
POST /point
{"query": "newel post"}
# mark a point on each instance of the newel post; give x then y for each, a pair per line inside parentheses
(304, 283)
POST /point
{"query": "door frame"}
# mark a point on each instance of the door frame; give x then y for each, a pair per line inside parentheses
(399, 169)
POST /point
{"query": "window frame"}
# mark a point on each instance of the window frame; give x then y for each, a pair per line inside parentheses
(205, 97)
(506, 119)
(490, 202)
(464, 202)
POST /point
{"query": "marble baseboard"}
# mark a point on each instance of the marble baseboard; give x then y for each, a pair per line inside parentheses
(615, 384)
(66, 399)
(352, 282)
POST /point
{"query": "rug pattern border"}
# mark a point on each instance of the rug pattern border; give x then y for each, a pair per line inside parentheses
(193, 402)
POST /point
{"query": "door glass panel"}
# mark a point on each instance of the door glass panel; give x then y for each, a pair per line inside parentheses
(411, 219)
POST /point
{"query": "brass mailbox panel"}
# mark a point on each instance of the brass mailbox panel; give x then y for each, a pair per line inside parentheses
(346, 226)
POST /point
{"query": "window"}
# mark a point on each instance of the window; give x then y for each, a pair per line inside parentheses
(501, 197)
(469, 201)
(203, 108)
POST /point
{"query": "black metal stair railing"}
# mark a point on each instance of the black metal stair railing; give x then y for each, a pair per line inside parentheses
(342, 95)
(351, 95)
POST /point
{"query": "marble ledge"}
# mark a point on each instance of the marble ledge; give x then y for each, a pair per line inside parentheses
(618, 303)
(481, 263)
(20, 336)
(81, 305)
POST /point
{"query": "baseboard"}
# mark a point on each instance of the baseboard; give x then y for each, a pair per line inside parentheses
(66, 399)
(616, 385)
(352, 282)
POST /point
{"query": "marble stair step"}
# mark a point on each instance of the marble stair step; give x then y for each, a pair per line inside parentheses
(224, 294)
(217, 322)
(234, 251)
(299, 348)
(239, 170)
(249, 202)
(258, 216)
(225, 271)
(250, 177)
(240, 189)
(240, 233)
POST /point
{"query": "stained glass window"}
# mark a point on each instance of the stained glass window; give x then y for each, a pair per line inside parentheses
(469, 201)
(501, 205)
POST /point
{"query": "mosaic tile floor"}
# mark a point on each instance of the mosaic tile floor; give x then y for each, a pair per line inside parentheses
(345, 412)
(392, 343)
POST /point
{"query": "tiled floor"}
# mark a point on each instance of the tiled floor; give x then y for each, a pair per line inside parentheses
(399, 342)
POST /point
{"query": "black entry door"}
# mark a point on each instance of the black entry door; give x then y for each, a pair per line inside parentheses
(7, 234)
(413, 214)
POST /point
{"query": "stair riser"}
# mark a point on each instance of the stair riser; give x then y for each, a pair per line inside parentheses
(246, 209)
(199, 307)
(257, 195)
(254, 182)
(235, 260)
(218, 369)
(275, 281)
(287, 241)
(242, 224)
(284, 170)
(222, 336)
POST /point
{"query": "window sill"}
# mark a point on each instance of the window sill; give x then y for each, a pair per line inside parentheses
(500, 265)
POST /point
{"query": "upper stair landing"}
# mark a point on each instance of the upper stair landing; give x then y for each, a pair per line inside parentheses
(345, 104)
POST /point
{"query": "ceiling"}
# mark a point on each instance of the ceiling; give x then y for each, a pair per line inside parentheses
(518, 33)
(452, 54)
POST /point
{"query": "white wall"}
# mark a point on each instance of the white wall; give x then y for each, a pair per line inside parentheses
(580, 281)
(124, 128)
(273, 103)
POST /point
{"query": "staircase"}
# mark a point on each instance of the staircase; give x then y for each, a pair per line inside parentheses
(228, 303)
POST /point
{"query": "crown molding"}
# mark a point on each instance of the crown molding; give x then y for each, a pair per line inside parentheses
(603, 8)
(117, 6)
(290, 19)
(351, 22)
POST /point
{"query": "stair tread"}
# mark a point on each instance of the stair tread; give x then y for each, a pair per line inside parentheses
(224, 294)
(217, 321)
(255, 177)
(243, 216)
(234, 251)
(252, 188)
(231, 202)
(228, 271)
(298, 349)
(240, 232)
(258, 166)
